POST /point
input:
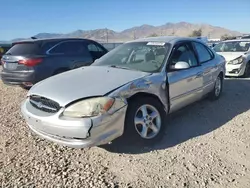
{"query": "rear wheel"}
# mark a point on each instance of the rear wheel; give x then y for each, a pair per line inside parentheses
(145, 121)
(215, 94)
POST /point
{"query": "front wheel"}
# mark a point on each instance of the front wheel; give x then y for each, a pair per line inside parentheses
(247, 70)
(145, 121)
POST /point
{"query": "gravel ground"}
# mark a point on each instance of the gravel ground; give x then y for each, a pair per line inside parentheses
(206, 145)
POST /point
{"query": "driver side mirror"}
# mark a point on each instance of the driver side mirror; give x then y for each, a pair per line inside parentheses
(180, 65)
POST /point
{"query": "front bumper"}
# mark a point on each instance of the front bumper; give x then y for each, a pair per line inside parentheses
(74, 132)
(235, 70)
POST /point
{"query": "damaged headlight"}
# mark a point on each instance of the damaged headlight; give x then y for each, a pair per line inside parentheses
(236, 61)
(89, 107)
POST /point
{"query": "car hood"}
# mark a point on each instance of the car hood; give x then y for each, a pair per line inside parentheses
(84, 82)
(230, 55)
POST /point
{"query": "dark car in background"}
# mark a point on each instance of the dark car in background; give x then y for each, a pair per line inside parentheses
(28, 62)
(3, 49)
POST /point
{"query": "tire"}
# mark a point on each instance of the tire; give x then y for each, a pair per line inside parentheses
(142, 133)
(25, 87)
(218, 86)
(247, 71)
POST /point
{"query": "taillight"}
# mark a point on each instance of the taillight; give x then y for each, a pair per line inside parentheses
(30, 62)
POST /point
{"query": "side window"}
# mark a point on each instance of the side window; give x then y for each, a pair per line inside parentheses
(48, 45)
(69, 48)
(203, 53)
(99, 48)
(211, 53)
(185, 53)
(93, 48)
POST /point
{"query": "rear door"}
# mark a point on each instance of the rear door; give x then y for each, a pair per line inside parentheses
(70, 54)
(209, 65)
(13, 58)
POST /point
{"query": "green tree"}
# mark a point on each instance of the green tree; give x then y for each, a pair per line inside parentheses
(196, 33)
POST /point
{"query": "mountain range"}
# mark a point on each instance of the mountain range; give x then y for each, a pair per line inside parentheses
(177, 29)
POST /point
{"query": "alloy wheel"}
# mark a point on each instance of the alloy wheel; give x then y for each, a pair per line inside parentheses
(217, 86)
(147, 121)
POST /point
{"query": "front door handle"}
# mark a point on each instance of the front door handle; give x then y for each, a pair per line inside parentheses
(198, 75)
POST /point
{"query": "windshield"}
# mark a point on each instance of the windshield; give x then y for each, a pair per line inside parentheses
(141, 56)
(232, 46)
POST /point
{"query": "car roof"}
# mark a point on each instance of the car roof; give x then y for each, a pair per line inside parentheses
(52, 39)
(167, 39)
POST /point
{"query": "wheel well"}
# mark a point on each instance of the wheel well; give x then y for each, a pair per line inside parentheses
(142, 94)
(221, 74)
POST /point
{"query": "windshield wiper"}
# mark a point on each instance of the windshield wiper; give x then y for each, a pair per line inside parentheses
(8, 53)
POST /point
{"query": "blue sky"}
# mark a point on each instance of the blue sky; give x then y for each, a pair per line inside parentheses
(24, 18)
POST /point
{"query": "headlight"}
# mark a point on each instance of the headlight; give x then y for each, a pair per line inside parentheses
(236, 61)
(89, 107)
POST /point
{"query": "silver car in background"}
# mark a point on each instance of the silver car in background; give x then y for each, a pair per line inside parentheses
(237, 55)
(129, 91)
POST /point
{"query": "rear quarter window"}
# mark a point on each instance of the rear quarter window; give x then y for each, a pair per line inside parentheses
(24, 49)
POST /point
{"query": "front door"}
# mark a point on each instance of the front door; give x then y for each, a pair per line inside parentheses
(185, 86)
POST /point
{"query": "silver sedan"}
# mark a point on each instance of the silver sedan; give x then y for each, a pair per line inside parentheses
(128, 92)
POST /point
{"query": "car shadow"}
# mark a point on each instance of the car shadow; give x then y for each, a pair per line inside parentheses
(196, 120)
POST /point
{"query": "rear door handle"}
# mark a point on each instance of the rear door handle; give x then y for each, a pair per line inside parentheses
(199, 74)
(207, 70)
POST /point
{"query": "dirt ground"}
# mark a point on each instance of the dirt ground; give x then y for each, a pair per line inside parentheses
(205, 145)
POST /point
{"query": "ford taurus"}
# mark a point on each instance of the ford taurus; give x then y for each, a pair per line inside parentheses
(127, 92)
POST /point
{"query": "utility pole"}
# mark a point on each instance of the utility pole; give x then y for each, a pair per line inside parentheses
(107, 35)
(173, 33)
(161, 31)
(134, 35)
